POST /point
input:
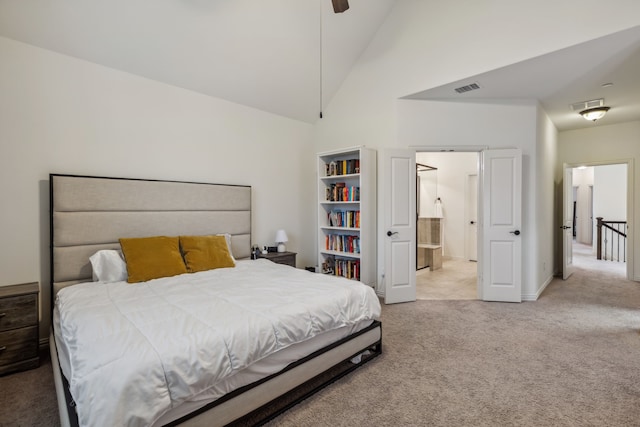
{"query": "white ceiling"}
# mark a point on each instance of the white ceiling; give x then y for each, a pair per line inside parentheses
(266, 54)
(263, 54)
(562, 78)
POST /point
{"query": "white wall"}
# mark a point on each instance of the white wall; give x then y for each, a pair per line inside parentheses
(62, 115)
(427, 183)
(609, 196)
(610, 192)
(608, 144)
(545, 229)
(609, 183)
(426, 44)
(453, 169)
(583, 183)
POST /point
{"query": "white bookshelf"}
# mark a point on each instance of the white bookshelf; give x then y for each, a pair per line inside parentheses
(346, 228)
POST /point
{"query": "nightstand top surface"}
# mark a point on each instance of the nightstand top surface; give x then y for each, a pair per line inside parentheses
(19, 289)
(276, 254)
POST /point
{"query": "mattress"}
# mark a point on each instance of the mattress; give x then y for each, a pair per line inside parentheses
(159, 349)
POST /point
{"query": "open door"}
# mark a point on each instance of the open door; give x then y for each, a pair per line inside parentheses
(399, 209)
(501, 225)
(567, 223)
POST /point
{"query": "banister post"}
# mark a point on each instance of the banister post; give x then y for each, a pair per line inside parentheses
(599, 251)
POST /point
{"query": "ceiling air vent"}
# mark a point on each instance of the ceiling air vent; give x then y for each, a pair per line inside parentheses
(584, 105)
(467, 88)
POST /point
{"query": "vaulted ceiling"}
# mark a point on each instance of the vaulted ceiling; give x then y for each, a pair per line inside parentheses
(259, 53)
(269, 54)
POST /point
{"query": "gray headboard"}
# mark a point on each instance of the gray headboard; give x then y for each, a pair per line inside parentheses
(92, 213)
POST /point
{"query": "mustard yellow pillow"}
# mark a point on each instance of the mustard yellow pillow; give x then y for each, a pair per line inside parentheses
(152, 257)
(205, 253)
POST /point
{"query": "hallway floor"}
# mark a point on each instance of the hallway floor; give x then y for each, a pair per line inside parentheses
(457, 279)
(583, 257)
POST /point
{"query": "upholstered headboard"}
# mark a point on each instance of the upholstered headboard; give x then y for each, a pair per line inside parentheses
(92, 213)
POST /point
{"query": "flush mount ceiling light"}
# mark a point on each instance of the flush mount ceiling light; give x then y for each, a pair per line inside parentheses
(594, 114)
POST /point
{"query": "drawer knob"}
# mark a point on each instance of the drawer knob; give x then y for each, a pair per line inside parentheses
(3, 348)
(2, 315)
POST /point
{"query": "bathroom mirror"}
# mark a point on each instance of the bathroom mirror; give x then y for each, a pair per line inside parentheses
(427, 190)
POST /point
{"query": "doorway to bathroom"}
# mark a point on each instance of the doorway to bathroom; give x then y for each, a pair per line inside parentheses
(447, 225)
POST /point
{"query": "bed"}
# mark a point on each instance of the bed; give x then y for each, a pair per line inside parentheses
(161, 351)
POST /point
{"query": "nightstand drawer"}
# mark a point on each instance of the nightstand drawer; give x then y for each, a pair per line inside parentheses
(286, 258)
(18, 311)
(18, 345)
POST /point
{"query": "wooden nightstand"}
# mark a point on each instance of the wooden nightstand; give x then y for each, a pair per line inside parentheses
(19, 338)
(287, 258)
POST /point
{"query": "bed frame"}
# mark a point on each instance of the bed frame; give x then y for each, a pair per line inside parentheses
(91, 213)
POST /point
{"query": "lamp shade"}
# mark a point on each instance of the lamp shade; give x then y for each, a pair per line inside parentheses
(281, 236)
(594, 114)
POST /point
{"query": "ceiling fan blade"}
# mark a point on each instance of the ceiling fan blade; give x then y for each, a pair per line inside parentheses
(340, 6)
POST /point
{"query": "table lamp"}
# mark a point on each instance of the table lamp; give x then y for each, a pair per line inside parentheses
(281, 238)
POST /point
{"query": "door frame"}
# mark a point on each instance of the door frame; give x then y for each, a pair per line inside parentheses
(568, 215)
(630, 204)
(467, 216)
(478, 149)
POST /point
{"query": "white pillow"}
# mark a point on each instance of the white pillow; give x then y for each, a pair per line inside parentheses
(227, 237)
(108, 266)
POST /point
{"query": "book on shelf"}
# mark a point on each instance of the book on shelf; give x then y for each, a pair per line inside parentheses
(342, 243)
(342, 167)
(342, 267)
(348, 219)
(339, 192)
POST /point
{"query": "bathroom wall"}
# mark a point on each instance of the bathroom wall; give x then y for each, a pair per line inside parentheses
(453, 171)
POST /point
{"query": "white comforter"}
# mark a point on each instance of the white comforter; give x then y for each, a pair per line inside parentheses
(137, 350)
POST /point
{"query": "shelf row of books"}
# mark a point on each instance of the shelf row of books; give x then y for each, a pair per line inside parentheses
(339, 192)
(342, 167)
(349, 219)
(342, 243)
(342, 267)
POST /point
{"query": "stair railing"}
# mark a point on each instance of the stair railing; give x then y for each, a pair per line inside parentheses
(612, 240)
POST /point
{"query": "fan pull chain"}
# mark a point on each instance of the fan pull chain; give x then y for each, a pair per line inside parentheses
(321, 68)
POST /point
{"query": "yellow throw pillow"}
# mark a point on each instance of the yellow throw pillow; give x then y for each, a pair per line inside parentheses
(152, 257)
(205, 253)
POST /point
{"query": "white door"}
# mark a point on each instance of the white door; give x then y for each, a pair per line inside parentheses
(567, 223)
(501, 225)
(471, 227)
(399, 225)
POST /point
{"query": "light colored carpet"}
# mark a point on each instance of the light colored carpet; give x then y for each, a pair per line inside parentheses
(585, 258)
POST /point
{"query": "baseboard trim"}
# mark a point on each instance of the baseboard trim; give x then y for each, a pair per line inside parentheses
(534, 297)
